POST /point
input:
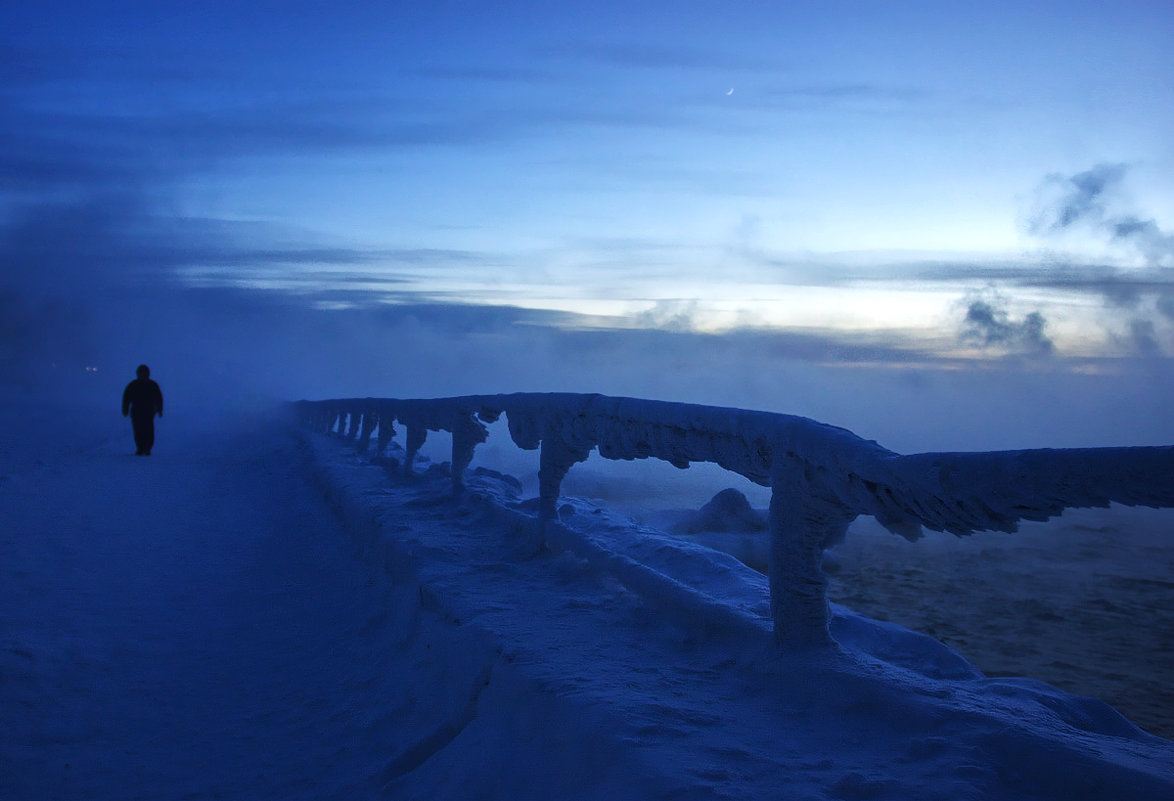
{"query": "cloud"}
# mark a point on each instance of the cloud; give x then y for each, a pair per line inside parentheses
(670, 315)
(1091, 201)
(105, 119)
(1155, 244)
(1068, 200)
(485, 74)
(645, 55)
(1143, 338)
(1118, 286)
(841, 97)
(988, 324)
(94, 278)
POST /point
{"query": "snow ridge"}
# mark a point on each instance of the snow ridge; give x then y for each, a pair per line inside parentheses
(822, 477)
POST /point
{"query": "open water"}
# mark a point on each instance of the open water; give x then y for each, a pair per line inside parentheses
(1084, 602)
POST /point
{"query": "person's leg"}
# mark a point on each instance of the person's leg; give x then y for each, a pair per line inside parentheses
(144, 427)
(137, 425)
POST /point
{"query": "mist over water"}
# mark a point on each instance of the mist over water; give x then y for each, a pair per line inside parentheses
(219, 347)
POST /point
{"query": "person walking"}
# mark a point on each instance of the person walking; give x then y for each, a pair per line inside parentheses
(141, 401)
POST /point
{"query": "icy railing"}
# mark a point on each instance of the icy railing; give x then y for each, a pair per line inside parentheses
(821, 477)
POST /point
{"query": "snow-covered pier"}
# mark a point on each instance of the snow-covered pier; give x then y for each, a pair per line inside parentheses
(821, 477)
(258, 612)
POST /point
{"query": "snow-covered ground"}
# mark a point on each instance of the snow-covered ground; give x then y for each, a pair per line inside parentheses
(254, 612)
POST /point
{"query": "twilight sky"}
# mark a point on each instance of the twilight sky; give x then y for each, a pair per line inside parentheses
(616, 188)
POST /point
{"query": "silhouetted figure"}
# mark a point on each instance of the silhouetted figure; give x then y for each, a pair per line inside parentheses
(142, 400)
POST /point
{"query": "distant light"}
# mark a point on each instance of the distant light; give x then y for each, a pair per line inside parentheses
(91, 369)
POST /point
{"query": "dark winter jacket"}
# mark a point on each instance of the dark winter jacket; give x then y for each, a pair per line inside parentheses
(143, 398)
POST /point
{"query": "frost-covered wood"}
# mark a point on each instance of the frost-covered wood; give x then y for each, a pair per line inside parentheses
(821, 477)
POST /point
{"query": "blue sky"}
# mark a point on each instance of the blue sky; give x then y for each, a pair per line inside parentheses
(915, 182)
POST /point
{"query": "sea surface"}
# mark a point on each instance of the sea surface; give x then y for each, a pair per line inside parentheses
(1084, 602)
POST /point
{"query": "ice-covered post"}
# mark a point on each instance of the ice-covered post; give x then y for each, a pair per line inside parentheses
(369, 421)
(415, 440)
(804, 520)
(554, 462)
(386, 432)
(467, 434)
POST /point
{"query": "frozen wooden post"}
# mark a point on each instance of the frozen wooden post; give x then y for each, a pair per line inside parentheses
(803, 522)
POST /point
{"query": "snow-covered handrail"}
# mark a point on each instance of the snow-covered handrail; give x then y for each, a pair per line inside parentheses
(821, 477)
